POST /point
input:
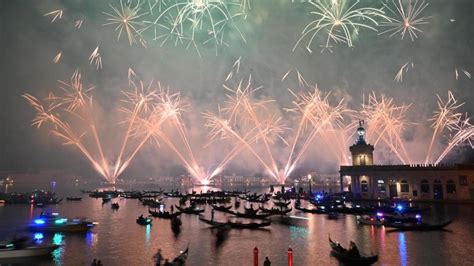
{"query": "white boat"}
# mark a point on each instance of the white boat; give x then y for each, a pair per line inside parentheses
(9, 251)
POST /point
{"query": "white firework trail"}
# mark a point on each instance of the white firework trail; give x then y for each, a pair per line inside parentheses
(55, 15)
(95, 58)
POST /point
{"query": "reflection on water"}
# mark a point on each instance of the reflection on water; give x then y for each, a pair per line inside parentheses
(124, 242)
(402, 247)
(57, 254)
(91, 239)
(148, 231)
(38, 238)
(298, 232)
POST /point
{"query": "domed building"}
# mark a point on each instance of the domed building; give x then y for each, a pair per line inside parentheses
(368, 180)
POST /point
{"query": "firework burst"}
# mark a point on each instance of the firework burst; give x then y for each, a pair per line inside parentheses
(72, 120)
(406, 18)
(386, 123)
(126, 19)
(339, 21)
(191, 22)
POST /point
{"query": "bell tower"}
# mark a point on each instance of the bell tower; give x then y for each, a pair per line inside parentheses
(361, 152)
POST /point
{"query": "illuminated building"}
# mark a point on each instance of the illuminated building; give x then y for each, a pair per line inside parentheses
(420, 182)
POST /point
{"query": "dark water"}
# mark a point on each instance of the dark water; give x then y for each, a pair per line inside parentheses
(118, 240)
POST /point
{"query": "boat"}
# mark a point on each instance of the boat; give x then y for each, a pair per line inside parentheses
(221, 208)
(281, 203)
(344, 255)
(236, 203)
(418, 226)
(164, 215)
(144, 220)
(115, 206)
(190, 210)
(180, 260)
(275, 211)
(370, 220)
(18, 249)
(256, 198)
(106, 199)
(52, 222)
(315, 210)
(250, 214)
(73, 199)
(236, 225)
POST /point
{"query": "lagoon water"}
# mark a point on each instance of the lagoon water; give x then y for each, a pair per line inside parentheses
(118, 240)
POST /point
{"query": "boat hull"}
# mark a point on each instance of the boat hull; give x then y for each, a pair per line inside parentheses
(36, 251)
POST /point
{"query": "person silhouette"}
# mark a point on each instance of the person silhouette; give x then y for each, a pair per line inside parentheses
(267, 262)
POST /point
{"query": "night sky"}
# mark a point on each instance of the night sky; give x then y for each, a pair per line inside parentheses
(29, 41)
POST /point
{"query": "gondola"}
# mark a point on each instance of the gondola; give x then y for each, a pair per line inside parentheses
(164, 215)
(180, 260)
(250, 215)
(221, 208)
(144, 220)
(281, 203)
(236, 225)
(418, 226)
(315, 210)
(276, 211)
(73, 199)
(344, 255)
(236, 203)
(190, 210)
(256, 198)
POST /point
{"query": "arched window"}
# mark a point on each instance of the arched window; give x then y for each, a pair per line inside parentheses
(404, 187)
(363, 186)
(424, 186)
(450, 187)
(381, 185)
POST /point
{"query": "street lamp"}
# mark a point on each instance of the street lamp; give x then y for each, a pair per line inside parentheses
(309, 180)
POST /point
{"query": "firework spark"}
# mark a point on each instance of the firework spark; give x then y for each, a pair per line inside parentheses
(464, 133)
(447, 118)
(404, 68)
(465, 72)
(339, 21)
(57, 57)
(126, 18)
(95, 58)
(55, 15)
(406, 18)
(78, 24)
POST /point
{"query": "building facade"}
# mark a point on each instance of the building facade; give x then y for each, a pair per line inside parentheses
(419, 182)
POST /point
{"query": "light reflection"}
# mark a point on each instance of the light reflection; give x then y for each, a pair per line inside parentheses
(148, 231)
(297, 232)
(402, 249)
(57, 253)
(38, 238)
(90, 239)
(31, 210)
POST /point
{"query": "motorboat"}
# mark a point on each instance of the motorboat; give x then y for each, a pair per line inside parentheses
(52, 222)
